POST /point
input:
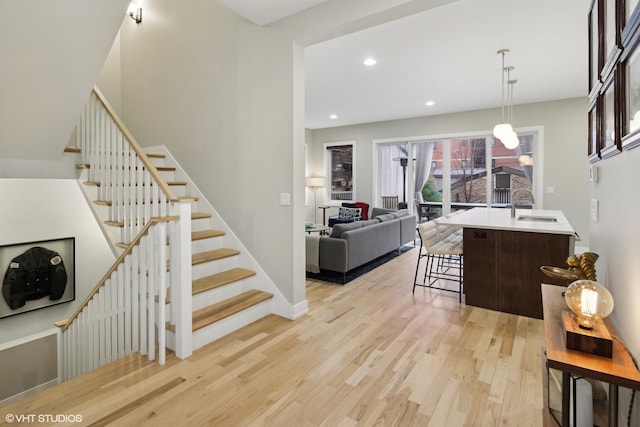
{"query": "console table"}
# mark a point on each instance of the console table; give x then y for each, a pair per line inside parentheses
(616, 371)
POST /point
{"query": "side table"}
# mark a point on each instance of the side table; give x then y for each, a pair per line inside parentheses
(324, 213)
(618, 370)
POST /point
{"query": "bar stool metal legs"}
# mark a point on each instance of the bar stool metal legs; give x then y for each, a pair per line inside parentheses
(444, 258)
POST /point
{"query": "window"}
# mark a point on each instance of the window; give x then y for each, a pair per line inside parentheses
(339, 163)
(465, 171)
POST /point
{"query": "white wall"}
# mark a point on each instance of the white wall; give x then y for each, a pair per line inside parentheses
(616, 238)
(35, 210)
(565, 136)
(52, 52)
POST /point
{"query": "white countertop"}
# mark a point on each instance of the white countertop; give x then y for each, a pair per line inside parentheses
(500, 219)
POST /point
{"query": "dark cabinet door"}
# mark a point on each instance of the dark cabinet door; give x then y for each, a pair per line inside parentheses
(480, 265)
(519, 276)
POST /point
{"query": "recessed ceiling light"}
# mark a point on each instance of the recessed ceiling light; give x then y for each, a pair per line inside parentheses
(333, 116)
(430, 103)
(370, 62)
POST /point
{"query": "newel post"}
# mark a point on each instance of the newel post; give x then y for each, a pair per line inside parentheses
(181, 278)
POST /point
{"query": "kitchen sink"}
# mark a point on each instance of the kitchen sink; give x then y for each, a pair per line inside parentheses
(540, 218)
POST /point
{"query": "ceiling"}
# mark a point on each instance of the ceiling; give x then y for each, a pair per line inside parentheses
(447, 55)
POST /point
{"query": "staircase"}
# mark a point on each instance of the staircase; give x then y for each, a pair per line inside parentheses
(128, 189)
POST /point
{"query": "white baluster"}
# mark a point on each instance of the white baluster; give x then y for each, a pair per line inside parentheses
(151, 292)
(142, 296)
(162, 290)
(127, 305)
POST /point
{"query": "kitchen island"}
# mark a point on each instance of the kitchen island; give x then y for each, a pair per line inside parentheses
(503, 255)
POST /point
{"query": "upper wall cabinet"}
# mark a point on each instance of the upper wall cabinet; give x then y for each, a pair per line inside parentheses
(614, 77)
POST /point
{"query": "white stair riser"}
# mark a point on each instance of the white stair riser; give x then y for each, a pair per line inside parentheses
(214, 296)
(200, 224)
(208, 268)
(204, 245)
(224, 327)
(179, 190)
(168, 176)
(158, 161)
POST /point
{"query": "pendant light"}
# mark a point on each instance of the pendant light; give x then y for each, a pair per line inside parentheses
(511, 140)
(503, 129)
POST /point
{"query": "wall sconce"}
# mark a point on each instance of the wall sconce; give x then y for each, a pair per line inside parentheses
(135, 12)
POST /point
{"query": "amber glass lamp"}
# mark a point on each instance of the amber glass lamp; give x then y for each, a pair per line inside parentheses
(590, 301)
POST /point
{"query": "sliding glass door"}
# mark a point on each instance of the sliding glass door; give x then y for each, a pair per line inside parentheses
(443, 175)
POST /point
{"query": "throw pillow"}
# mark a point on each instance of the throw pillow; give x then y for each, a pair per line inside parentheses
(365, 209)
(350, 213)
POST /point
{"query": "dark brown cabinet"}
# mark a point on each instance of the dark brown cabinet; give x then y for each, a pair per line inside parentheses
(502, 268)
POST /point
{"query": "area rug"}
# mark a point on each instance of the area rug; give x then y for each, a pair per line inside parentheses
(335, 277)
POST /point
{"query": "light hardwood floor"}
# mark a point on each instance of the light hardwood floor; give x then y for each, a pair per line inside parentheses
(368, 353)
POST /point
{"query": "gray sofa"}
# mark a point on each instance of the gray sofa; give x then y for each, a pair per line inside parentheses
(354, 244)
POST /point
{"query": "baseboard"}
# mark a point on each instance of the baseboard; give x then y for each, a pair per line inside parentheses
(27, 393)
(299, 310)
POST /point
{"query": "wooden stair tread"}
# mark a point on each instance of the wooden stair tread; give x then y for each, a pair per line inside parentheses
(213, 255)
(200, 215)
(155, 155)
(206, 234)
(223, 309)
(220, 279)
(72, 150)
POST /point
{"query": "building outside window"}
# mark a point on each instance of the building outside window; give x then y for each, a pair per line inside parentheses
(340, 170)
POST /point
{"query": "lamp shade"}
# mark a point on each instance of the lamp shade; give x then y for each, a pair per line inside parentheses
(501, 130)
(511, 140)
(315, 181)
(589, 300)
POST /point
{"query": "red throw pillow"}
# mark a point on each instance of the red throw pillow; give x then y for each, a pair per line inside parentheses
(365, 210)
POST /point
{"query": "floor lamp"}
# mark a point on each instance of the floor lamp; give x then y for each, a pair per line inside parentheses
(315, 182)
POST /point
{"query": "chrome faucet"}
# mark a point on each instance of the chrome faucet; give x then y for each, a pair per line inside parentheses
(514, 202)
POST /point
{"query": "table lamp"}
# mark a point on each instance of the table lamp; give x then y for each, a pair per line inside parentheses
(590, 301)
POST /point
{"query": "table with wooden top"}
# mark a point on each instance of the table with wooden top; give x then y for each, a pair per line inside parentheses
(618, 370)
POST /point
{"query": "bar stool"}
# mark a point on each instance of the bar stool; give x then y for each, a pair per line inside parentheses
(442, 247)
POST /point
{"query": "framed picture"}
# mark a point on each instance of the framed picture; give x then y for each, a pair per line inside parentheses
(610, 134)
(610, 39)
(631, 94)
(593, 149)
(596, 58)
(37, 275)
(631, 20)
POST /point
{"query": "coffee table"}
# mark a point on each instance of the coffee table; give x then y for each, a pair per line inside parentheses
(317, 228)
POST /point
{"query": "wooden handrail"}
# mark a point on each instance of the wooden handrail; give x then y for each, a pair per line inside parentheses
(64, 324)
(136, 147)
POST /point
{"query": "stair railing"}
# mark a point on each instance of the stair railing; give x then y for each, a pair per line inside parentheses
(139, 198)
(125, 176)
(125, 313)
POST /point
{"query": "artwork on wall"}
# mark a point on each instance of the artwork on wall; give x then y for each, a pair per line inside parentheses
(37, 275)
(614, 77)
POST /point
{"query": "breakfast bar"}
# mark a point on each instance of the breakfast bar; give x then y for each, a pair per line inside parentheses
(503, 255)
